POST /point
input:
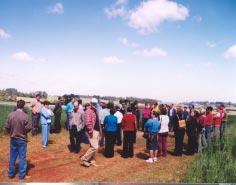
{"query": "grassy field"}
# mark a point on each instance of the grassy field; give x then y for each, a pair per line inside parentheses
(218, 162)
(6, 109)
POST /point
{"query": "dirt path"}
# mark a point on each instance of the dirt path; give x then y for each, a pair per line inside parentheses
(57, 164)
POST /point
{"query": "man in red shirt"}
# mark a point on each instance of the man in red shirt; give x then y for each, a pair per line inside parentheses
(218, 121)
(129, 127)
(208, 122)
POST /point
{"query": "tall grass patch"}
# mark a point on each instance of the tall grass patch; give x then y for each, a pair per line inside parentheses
(217, 163)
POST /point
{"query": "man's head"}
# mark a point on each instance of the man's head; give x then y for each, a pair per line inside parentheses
(163, 111)
(38, 97)
(80, 102)
(87, 106)
(20, 104)
(146, 105)
(185, 108)
(76, 106)
(72, 99)
(129, 109)
(155, 114)
(112, 111)
(46, 104)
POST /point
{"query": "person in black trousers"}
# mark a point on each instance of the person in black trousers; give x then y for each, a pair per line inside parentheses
(110, 127)
(179, 134)
(129, 127)
(57, 112)
(191, 131)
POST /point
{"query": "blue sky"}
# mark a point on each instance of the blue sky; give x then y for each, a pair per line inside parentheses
(179, 50)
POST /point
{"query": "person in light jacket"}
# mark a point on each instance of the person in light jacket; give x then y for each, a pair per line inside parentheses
(163, 133)
(45, 120)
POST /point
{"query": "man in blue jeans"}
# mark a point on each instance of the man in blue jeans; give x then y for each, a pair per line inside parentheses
(18, 125)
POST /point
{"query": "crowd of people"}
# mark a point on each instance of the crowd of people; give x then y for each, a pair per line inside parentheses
(99, 123)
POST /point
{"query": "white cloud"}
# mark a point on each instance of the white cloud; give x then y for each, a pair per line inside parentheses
(230, 53)
(58, 8)
(153, 52)
(127, 43)
(115, 12)
(197, 18)
(22, 56)
(4, 34)
(209, 65)
(210, 44)
(150, 14)
(112, 60)
(121, 2)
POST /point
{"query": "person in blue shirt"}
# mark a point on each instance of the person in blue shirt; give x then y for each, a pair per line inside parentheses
(69, 109)
(110, 128)
(185, 114)
(153, 126)
(45, 120)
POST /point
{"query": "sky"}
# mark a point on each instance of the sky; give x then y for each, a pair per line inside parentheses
(170, 50)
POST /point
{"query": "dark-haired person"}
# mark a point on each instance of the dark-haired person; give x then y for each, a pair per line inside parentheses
(224, 121)
(172, 116)
(81, 108)
(75, 129)
(35, 108)
(69, 110)
(119, 116)
(163, 133)
(45, 119)
(153, 127)
(201, 131)
(146, 114)
(129, 127)
(110, 128)
(208, 121)
(57, 112)
(18, 125)
(217, 118)
(179, 133)
(185, 113)
(191, 131)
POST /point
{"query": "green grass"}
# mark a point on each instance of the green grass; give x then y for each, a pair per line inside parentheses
(6, 109)
(217, 164)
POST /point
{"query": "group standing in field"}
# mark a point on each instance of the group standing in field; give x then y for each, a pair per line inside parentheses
(99, 123)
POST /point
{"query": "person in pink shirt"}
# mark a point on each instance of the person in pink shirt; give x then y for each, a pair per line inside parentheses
(35, 108)
(208, 122)
(217, 122)
(146, 114)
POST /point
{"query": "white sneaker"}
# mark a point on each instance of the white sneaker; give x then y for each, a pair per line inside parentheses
(150, 160)
(154, 159)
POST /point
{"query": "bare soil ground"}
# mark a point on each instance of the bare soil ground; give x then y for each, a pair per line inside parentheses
(57, 164)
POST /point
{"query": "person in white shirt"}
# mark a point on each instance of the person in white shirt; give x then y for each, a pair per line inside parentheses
(163, 133)
(119, 116)
(105, 111)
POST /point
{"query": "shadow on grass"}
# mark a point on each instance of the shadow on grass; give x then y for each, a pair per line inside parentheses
(142, 155)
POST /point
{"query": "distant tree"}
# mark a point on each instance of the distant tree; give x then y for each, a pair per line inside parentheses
(11, 91)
